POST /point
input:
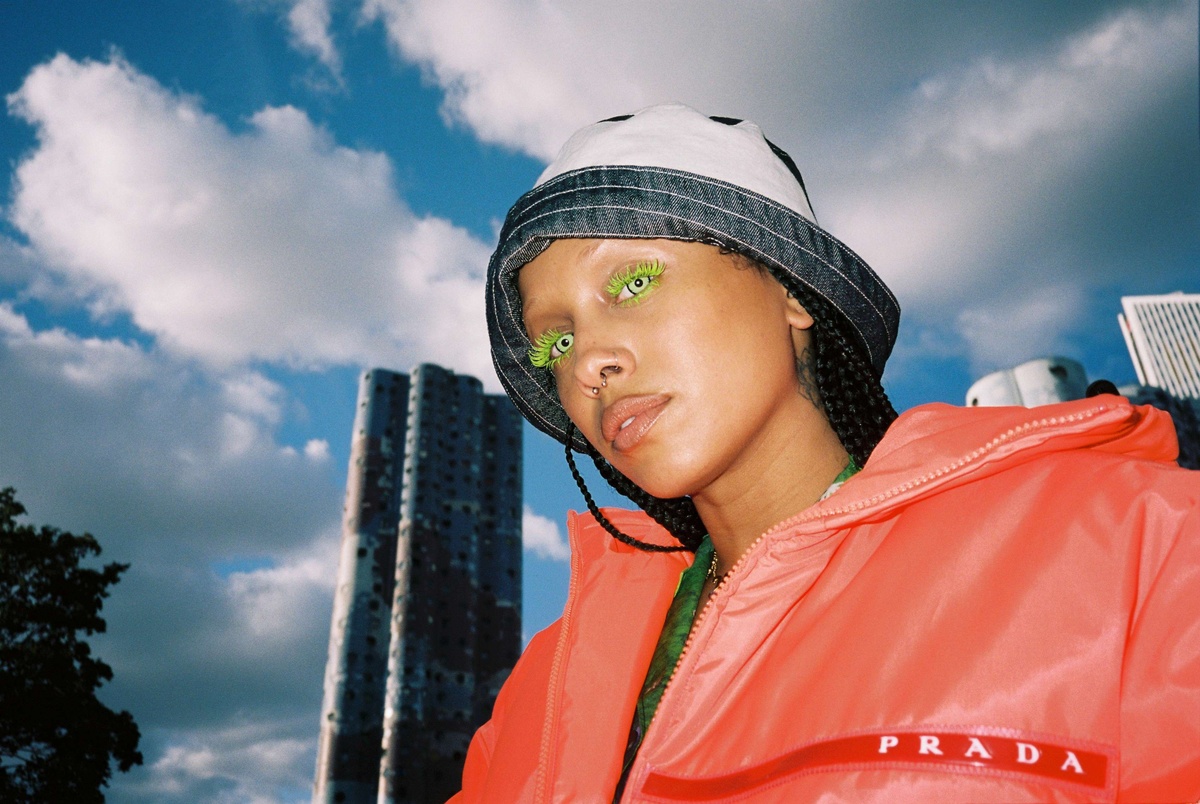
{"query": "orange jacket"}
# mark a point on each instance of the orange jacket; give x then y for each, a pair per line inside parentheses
(1004, 605)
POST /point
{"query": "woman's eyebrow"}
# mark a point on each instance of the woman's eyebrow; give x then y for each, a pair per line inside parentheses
(529, 307)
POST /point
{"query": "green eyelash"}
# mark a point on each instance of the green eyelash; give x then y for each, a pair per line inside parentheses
(541, 352)
(649, 270)
(644, 275)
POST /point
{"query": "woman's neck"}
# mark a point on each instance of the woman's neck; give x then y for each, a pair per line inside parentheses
(785, 476)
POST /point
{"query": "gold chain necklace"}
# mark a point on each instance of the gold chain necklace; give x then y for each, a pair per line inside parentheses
(712, 573)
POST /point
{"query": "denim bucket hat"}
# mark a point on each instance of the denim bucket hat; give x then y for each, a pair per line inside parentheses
(670, 172)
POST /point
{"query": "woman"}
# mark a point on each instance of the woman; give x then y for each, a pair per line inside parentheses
(996, 607)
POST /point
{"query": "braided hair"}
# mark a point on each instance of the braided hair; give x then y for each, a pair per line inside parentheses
(853, 397)
(848, 389)
(678, 515)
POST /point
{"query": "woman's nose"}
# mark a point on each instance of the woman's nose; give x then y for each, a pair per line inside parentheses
(599, 367)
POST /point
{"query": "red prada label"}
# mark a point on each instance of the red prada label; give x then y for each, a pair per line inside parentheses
(935, 750)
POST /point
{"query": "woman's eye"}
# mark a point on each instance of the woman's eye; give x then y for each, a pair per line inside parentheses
(637, 285)
(632, 284)
(550, 348)
(561, 346)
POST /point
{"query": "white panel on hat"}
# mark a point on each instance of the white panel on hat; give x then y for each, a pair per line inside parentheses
(678, 137)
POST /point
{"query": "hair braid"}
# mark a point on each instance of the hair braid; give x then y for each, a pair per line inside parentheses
(857, 406)
(677, 514)
(601, 518)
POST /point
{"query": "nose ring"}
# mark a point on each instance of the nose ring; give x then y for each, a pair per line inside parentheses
(595, 391)
(604, 376)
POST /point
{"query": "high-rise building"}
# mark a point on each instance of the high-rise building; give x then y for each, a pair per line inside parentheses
(427, 611)
(456, 614)
(1163, 337)
(352, 711)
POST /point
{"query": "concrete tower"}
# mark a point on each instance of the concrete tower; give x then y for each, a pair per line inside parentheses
(1163, 337)
(355, 673)
(427, 611)
(456, 615)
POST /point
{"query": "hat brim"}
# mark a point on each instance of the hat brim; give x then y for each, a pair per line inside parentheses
(654, 202)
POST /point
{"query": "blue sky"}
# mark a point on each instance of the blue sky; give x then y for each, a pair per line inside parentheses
(216, 214)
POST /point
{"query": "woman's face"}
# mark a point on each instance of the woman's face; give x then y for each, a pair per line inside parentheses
(692, 352)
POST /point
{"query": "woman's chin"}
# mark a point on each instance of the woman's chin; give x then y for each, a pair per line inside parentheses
(665, 487)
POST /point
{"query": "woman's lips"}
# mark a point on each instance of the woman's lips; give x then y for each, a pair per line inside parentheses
(627, 420)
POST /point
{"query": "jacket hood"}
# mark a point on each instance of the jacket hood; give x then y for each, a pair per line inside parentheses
(936, 446)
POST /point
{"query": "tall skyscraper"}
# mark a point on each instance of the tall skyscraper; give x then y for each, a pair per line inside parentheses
(427, 611)
(456, 613)
(352, 710)
(1163, 337)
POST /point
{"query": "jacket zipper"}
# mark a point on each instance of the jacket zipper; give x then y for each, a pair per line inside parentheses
(544, 781)
(809, 514)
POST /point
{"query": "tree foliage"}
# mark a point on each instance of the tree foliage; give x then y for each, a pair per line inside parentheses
(57, 741)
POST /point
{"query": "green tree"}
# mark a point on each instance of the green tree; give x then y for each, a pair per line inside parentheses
(57, 741)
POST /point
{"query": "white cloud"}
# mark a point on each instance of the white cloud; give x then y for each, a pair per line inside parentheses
(223, 674)
(989, 154)
(317, 450)
(308, 22)
(12, 324)
(1024, 326)
(91, 366)
(511, 59)
(1088, 85)
(252, 393)
(227, 699)
(309, 25)
(280, 604)
(111, 437)
(950, 160)
(273, 244)
(525, 74)
(542, 537)
(176, 470)
(247, 763)
(16, 264)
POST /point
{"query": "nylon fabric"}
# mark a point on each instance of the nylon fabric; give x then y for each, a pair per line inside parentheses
(671, 641)
(1026, 574)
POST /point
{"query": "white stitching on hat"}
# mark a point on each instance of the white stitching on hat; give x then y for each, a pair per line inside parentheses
(519, 363)
(719, 183)
(854, 258)
(505, 269)
(816, 258)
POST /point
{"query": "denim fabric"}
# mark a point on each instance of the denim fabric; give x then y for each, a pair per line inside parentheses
(652, 202)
